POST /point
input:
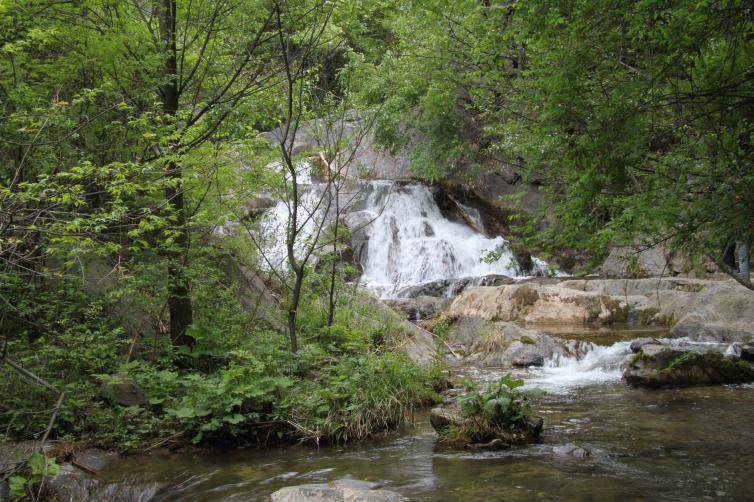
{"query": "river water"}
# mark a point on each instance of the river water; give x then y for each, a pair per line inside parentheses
(676, 444)
(673, 444)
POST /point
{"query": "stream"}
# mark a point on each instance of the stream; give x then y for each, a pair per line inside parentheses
(673, 444)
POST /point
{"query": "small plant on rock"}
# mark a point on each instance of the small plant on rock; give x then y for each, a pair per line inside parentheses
(499, 410)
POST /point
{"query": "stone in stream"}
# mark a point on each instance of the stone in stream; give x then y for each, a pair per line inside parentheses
(639, 343)
(502, 344)
(445, 419)
(571, 450)
(334, 492)
(663, 366)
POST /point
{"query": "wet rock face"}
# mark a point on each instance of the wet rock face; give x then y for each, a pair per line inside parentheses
(334, 492)
(257, 205)
(661, 366)
(450, 287)
(421, 307)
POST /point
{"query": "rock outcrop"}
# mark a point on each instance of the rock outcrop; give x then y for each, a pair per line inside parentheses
(531, 302)
(417, 344)
(695, 308)
(663, 366)
(722, 311)
(501, 344)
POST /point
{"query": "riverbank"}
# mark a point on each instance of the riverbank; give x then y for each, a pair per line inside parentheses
(677, 444)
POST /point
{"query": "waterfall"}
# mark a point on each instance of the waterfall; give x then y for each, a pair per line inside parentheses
(588, 365)
(411, 243)
(274, 222)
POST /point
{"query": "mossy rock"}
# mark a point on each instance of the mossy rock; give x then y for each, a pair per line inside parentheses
(667, 367)
(466, 433)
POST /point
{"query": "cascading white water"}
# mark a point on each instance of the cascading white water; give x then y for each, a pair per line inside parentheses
(590, 364)
(274, 223)
(411, 242)
(587, 363)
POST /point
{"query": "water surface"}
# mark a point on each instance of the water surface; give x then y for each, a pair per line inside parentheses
(674, 444)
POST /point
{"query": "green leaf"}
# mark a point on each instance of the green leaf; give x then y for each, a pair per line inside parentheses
(234, 419)
(17, 486)
(185, 412)
(37, 463)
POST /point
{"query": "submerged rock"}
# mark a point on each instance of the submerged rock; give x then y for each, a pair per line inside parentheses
(334, 492)
(571, 450)
(662, 366)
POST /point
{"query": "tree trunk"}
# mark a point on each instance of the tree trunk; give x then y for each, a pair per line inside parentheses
(293, 307)
(334, 268)
(179, 301)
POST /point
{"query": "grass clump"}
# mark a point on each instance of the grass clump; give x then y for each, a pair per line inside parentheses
(492, 340)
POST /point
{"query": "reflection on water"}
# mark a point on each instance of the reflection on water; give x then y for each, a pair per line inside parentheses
(675, 444)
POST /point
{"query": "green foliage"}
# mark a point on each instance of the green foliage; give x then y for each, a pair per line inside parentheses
(634, 120)
(439, 325)
(239, 385)
(492, 340)
(500, 404)
(36, 468)
(358, 396)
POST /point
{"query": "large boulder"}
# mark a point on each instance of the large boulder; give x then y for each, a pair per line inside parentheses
(662, 366)
(334, 492)
(539, 303)
(720, 311)
(638, 262)
(501, 344)
(508, 345)
(121, 389)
